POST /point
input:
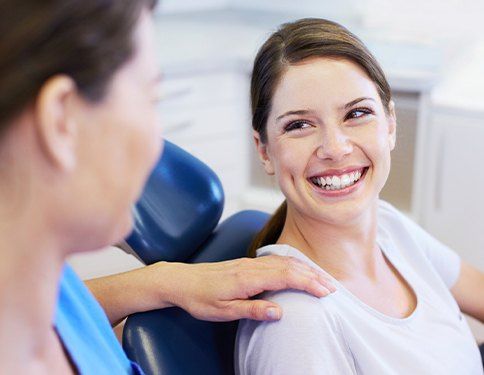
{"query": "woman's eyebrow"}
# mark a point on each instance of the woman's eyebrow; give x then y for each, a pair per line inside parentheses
(353, 102)
(309, 112)
(297, 112)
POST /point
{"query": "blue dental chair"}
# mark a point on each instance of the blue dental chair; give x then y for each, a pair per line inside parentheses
(177, 219)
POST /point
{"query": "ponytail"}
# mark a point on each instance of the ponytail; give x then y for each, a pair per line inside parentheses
(271, 231)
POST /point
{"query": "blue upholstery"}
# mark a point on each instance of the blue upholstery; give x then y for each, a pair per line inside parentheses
(180, 206)
(481, 349)
(175, 220)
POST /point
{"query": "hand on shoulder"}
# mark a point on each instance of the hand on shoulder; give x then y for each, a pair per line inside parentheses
(221, 291)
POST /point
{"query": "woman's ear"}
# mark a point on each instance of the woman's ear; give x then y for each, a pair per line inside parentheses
(392, 125)
(56, 127)
(263, 154)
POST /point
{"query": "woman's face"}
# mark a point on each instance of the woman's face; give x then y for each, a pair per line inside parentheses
(119, 141)
(328, 139)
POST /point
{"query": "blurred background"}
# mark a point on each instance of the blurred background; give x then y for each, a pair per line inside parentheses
(433, 54)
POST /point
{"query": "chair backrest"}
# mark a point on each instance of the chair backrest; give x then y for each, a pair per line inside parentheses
(180, 206)
(170, 341)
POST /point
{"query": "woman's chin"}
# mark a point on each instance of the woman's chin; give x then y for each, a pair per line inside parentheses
(120, 229)
(124, 228)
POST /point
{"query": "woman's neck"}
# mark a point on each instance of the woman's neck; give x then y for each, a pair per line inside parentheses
(29, 274)
(343, 249)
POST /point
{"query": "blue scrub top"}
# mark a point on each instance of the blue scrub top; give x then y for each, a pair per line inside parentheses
(85, 330)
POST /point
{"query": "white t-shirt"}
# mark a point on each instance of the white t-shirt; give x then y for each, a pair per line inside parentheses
(340, 334)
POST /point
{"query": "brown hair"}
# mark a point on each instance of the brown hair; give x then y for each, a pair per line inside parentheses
(87, 40)
(292, 43)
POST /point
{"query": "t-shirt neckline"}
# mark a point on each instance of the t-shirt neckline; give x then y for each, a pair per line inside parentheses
(383, 245)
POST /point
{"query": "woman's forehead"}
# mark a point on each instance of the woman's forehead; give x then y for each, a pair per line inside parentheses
(322, 80)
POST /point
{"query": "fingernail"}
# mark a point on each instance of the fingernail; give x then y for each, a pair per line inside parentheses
(272, 313)
(328, 286)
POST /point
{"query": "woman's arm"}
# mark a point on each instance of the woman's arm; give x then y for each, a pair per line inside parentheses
(469, 291)
(209, 291)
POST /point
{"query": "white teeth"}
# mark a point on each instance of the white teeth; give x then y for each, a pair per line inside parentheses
(336, 182)
(345, 180)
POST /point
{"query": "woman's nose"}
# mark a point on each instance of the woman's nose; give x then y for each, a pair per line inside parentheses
(334, 145)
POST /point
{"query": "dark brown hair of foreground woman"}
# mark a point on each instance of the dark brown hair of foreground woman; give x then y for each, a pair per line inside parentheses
(87, 40)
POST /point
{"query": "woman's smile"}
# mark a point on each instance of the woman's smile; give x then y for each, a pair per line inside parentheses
(337, 183)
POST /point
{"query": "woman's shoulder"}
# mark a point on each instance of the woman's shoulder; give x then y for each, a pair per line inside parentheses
(307, 338)
(306, 311)
(400, 234)
(298, 306)
(307, 320)
(274, 249)
(395, 223)
(401, 228)
(299, 302)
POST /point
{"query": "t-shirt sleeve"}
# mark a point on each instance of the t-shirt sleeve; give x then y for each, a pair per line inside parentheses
(307, 340)
(444, 260)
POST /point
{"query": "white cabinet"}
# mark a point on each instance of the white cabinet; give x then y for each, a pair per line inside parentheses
(453, 204)
(454, 183)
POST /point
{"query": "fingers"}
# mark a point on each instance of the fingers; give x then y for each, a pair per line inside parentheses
(311, 280)
(304, 277)
(255, 310)
(206, 297)
(291, 273)
(309, 283)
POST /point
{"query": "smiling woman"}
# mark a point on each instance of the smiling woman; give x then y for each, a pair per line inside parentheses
(324, 126)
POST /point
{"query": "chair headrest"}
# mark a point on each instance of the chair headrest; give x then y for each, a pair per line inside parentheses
(180, 206)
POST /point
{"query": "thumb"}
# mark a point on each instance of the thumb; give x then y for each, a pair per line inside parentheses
(257, 310)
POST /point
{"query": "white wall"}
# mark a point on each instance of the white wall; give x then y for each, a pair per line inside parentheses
(341, 10)
(175, 6)
(448, 20)
(441, 19)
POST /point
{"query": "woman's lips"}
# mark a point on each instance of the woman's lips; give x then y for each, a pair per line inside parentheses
(343, 183)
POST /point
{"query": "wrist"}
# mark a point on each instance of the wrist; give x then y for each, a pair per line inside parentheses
(161, 285)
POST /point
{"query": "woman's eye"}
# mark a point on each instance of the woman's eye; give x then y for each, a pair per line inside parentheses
(296, 125)
(358, 113)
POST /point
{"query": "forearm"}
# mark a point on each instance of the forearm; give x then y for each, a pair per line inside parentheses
(476, 308)
(134, 291)
(468, 291)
